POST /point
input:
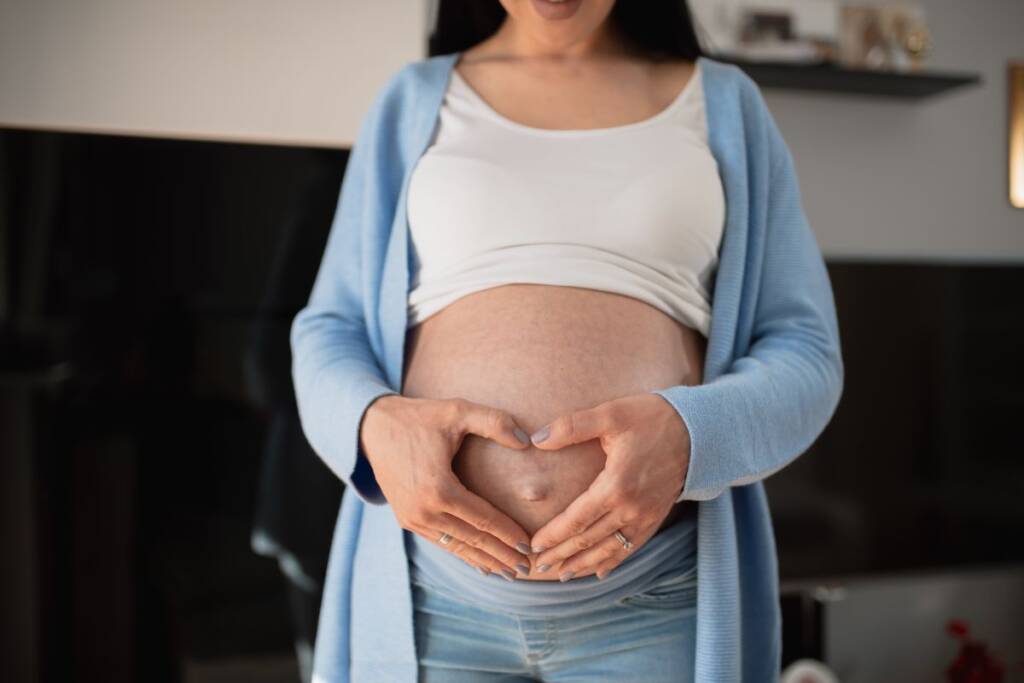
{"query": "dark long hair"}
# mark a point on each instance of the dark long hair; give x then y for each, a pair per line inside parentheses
(660, 28)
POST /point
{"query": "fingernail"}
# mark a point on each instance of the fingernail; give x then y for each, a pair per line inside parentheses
(522, 436)
(541, 434)
(544, 567)
(566, 576)
(482, 571)
(523, 569)
(599, 575)
(539, 548)
(507, 573)
(523, 548)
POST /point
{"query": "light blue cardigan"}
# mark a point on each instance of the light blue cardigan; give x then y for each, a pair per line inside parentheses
(772, 378)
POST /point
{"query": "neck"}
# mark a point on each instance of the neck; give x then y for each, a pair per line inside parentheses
(515, 42)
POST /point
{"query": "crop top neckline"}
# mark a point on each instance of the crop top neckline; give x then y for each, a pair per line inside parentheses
(677, 102)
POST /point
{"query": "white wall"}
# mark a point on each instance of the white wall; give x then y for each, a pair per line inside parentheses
(301, 72)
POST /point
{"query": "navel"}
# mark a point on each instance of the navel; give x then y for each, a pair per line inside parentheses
(534, 492)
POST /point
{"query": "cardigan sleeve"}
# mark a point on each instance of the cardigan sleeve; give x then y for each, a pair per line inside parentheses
(770, 405)
(334, 369)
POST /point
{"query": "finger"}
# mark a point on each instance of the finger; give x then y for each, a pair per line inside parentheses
(481, 540)
(479, 513)
(492, 423)
(631, 532)
(594, 534)
(586, 509)
(575, 427)
(603, 556)
(474, 557)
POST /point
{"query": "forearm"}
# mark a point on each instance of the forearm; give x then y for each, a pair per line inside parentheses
(755, 419)
(778, 395)
(336, 379)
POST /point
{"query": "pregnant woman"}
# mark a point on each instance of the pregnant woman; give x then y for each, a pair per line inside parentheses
(569, 316)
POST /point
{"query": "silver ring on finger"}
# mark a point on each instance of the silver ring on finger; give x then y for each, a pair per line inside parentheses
(445, 539)
(626, 543)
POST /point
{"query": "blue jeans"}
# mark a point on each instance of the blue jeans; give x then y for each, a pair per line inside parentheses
(645, 636)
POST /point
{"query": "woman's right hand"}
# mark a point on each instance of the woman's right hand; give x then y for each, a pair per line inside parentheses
(410, 443)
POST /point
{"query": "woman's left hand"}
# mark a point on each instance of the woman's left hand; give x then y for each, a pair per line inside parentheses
(648, 454)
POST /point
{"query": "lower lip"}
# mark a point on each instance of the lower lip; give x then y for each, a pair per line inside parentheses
(556, 10)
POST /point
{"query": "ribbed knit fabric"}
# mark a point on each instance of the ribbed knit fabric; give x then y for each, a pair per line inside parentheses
(773, 376)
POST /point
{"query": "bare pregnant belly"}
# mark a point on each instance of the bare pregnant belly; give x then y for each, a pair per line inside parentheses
(540, 351)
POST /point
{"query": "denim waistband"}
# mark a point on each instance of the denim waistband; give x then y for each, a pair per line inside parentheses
(672, 549)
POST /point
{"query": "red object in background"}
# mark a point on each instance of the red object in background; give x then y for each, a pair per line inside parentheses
(974, 663)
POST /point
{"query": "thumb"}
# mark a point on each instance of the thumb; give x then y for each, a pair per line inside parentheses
(492, 423)
(572, 428)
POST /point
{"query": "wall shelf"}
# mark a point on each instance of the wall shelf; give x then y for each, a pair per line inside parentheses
(830, 77)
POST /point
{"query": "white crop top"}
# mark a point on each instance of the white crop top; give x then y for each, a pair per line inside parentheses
(636, 209)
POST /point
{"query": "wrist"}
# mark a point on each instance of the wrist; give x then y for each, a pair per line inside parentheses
(378, 407)
(385, 402)
(676, 424)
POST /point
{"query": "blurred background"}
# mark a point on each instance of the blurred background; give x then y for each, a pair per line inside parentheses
(168, 174)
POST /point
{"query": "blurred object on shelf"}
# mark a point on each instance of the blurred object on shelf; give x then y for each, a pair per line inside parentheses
(796, 31)
(892, 36)
(770, 36)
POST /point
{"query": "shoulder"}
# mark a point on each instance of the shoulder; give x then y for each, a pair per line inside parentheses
(403, 96)
(737, 82)
(738, 91)
(414, 79)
